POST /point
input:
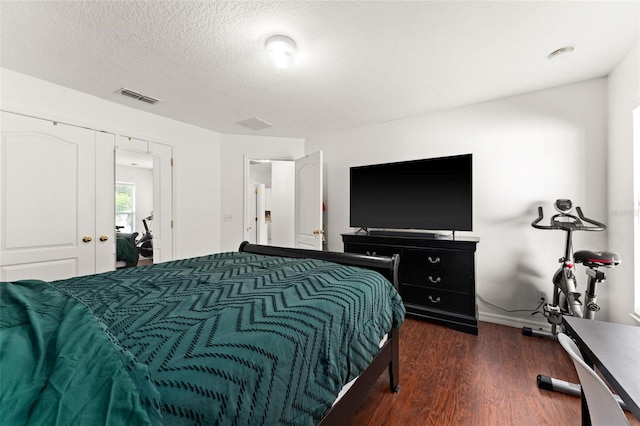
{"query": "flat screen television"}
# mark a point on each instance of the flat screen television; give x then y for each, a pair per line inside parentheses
(428, 194)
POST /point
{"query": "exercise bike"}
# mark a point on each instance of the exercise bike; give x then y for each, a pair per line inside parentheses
(145, 243)
(566, 298)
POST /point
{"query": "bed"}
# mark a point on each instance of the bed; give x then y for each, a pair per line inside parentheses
(126, 251)
(265, 335)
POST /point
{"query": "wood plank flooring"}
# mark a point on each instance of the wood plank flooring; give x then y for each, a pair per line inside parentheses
(452, 378)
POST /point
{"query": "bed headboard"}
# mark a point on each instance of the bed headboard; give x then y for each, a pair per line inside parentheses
(385, 265)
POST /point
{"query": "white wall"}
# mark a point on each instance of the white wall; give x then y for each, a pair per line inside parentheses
(233, 151)
(196, 151)
(527, 150)
(623, 98)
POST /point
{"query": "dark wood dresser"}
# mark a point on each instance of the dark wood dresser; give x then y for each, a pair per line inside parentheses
(437, 275)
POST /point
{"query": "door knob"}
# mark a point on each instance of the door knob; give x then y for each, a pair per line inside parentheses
(103, 238)
(87, 239)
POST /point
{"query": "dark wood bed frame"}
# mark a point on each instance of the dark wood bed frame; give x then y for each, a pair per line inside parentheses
(388, 357)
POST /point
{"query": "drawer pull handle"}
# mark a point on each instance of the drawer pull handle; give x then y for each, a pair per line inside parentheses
(436, 300)
(432, 260)
(434, 280)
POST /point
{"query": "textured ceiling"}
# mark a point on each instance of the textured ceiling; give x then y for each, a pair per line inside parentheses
(359, 63)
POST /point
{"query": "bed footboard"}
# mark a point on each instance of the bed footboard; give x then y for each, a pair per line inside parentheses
(385, 265)
(388, 357)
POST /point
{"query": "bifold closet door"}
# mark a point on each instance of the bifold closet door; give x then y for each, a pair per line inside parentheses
(162, 223)
(50, 227)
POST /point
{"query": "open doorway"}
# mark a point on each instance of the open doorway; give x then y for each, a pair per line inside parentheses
(270, 208)
(283, 202)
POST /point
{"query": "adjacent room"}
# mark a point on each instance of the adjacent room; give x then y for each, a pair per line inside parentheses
(455, 150)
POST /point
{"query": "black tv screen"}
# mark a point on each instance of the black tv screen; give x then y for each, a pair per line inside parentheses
(428, 194)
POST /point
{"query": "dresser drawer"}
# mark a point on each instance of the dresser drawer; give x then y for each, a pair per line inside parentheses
(438, 299)
(437, 280)
(371, 249)
(437, 260)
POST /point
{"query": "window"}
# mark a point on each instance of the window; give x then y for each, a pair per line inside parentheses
(125, 206)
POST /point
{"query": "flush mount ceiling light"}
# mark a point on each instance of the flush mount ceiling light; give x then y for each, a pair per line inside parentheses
(560, 54)
(281, 51)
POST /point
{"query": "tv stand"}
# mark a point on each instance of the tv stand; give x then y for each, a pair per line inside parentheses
(436, 275)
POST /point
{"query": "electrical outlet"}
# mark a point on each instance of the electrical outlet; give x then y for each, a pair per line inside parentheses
(542, 296)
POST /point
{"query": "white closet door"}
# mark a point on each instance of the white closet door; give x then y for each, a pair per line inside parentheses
(105, 202)
(47, 187)
(162, 223)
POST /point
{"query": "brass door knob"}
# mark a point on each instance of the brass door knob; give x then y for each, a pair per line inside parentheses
(87, 239)
(104, 237)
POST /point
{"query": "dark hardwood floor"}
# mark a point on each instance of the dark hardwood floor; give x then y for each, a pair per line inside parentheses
(452, 378)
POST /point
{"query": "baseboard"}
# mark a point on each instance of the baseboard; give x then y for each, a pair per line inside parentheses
(513, 321)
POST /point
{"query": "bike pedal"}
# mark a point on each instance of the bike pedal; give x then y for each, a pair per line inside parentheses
(551, 309)
(593, 307)
(553, 313)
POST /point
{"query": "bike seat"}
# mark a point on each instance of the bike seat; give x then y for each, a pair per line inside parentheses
(594, 259)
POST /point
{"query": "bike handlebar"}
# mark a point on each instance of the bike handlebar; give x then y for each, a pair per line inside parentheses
(540, 217)
(574, 223)
(597, 226)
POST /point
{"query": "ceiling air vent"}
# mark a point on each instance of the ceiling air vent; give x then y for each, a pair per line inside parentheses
(254, 123)
(139, 96)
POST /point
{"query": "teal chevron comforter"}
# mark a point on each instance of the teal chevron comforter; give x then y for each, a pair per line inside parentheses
(228, 339)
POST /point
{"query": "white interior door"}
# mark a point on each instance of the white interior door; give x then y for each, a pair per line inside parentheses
(261, 223)
(256, 231)
(308, 201)
(282, 203)
(250, 231)
(47, 196)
